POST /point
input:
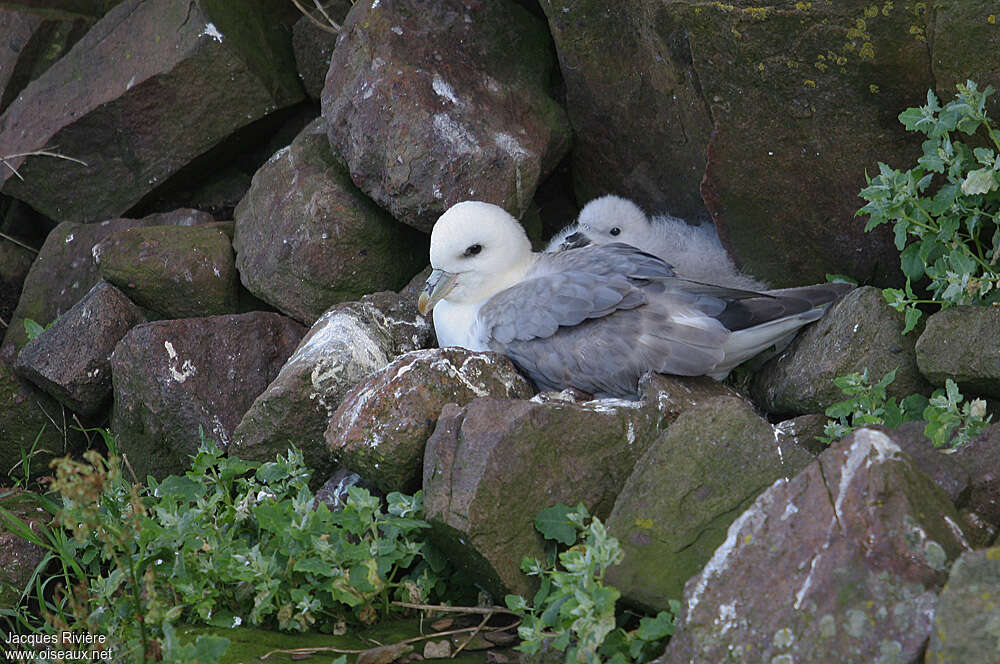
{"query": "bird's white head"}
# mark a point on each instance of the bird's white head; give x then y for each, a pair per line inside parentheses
(614, 219)
(477, 250)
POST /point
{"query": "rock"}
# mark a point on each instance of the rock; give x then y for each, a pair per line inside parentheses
(306, 238)
(641, 122)
(18, 557)
(491, 466)
(219, 68)
(173, 377)
(313, 46)
(859, 331)
(67, 9)
(15, 262)
(803, 431)
(177, 271)
(962, 343)
(71, 360)
(981, 460)
(66, 268)
(944, 469)
(806, 64)
(967, 623)
(342, 348)
(31, 423)
(840, 564)
(334, 492)
(32, 43)
(689, 486)
(468, 121)
(965, 46)
(382, 425)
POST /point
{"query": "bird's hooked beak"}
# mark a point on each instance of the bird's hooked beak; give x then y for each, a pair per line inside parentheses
(574, 241)
(437, 286)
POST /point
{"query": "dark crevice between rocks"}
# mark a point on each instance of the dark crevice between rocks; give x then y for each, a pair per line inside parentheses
(270, 134)
(833, 500)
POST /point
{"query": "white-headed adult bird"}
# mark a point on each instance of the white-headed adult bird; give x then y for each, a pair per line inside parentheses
(594, 318)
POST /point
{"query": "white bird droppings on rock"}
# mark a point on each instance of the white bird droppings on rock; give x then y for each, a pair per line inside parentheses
(212, 31)
(187, 368)
(442, 88)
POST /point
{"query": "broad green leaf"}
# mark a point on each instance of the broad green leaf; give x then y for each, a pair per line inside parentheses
(654, 629)
(182, 489)
(912, 262)
(32, 329)
(553, 524)
(912, 317)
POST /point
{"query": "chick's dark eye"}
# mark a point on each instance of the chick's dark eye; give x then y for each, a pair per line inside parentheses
(615, 232)
(473, 250)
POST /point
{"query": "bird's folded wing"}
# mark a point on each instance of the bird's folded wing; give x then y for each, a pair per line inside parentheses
(537, 308)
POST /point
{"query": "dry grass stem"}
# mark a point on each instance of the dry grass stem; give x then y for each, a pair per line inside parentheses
(330, 27)
(44, 152)
(18, 243)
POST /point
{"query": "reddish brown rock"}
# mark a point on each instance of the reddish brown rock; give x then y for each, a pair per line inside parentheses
(692, 482)
(632, 94)
(172, 378)
(206, 68)
(858, 332)
(342, 348)
(841, 563)
(307, 238)
(176, 271)
(66, 268)
(382, 425)
(491, 466)
(468, 121)
(72, 359)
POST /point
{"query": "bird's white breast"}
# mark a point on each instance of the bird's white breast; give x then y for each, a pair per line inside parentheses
(456, 324)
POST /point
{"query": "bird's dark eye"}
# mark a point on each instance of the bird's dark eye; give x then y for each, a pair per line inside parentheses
(473, 250)
(615, 232)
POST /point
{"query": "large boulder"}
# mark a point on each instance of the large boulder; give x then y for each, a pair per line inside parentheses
(65, 9)
(72, 359)
(491, 466)
(981, 459)
(842, 563)
(173, 378)
(66, 268)
(342, 348)
(967, 622)
(632, 94)
(962, 343)
(382, 425)
(781, 107)
(689, 486)
(176, 271)
(32, 42)
(468, 121)
(860, 331)
(207, 69)
(307, 238)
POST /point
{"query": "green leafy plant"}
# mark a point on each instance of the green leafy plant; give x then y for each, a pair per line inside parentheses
(574, 610)
(230, 542)
(944, 210)
(32, 328)
(950, 420)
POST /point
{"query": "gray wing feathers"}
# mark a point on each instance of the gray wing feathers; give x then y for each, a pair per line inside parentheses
(556, 324)
(537, 308)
